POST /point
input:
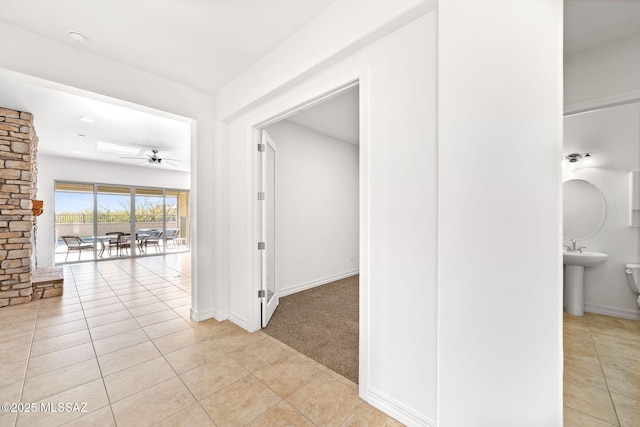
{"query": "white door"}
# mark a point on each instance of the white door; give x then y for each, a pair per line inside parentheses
(269, 284)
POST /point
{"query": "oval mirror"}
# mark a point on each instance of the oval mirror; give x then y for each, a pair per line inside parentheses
(584, 209)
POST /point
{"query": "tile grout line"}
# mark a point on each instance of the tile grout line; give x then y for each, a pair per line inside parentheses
(30, 352)
(157, 349)
(615, 410)
(169, 364)
(26, 368)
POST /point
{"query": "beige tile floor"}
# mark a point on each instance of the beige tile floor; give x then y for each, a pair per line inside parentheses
(601, 371)
(121, 341)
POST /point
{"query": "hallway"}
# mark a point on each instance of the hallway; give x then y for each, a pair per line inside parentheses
(120, 339)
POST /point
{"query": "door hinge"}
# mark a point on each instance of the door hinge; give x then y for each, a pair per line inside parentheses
(261, 147)
(262, 293)
(261, 246)
(261, 195)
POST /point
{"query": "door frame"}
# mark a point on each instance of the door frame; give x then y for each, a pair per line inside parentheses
(290, 106)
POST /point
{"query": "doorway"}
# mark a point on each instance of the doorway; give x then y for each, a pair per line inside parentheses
(309, 191)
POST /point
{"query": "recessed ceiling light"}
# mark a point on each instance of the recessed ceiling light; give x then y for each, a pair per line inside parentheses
(80, 135)
(85, 119)
(77, 37)
(75, 151)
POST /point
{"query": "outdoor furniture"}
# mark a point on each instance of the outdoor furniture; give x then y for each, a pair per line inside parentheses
(75, 243)
(124, 243)
(172, 235)
(113, 238)
(153, 239)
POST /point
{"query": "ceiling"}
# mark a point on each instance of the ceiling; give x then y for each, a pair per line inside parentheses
(203, 44)
(82, 127)
(336, 116)
(591, 23)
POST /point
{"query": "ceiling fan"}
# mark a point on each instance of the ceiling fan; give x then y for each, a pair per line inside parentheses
(154, 159)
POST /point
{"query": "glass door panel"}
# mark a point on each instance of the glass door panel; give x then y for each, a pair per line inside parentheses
(268, 185)
(177, 220)
(74, 222)
(149, 220)
(113, 219)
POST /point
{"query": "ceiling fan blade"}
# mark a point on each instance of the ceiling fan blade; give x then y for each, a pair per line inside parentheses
(171, 163)
(173, 160)
(136, 158)
(144, 163)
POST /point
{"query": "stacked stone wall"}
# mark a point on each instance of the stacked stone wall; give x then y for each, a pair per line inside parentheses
(18, 167)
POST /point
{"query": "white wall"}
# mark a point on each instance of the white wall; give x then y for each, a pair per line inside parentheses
(613, 136)
(609, 71)
(65, 169)
(398, 207)
(498, 343)
(81, 72)
(500, 266)
(317, 207)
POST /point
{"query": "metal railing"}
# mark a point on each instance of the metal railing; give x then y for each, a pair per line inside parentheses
(87, 218)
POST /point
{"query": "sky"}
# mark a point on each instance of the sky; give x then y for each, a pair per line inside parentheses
(79, 202)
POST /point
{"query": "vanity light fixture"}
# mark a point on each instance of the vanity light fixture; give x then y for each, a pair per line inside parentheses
(576, 157)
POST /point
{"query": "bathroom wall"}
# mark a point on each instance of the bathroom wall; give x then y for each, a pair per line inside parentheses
(317, 207)
(607, 72)
(613, 136)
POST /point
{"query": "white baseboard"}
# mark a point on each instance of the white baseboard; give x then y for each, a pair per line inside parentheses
(240, 321)
(613, 311)
(199, 316)
(397, 410)
(220, 315)
(317, 282)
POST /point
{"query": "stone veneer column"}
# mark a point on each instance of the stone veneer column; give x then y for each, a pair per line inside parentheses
(18, 147)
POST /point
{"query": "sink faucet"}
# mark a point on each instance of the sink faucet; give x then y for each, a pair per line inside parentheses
(573, 247)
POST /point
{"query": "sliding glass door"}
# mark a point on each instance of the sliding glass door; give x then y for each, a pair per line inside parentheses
(149, 219)
(100, 221)
(177, 214)
(113, 220)
(74, 219)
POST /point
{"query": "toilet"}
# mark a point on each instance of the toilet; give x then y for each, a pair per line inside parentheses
(633, 274)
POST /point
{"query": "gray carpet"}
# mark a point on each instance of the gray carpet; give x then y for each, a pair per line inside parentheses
(322, 323)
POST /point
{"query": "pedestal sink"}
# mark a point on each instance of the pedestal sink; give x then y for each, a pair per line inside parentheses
(574, 264)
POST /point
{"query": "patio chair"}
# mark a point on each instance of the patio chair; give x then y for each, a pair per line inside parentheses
(153, 239)
(172, 235)
(124, 243)
(114, 242)
(75, 243)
